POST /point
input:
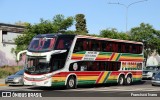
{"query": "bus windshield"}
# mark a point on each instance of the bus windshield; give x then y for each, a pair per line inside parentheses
(37, 66)
(42, 44)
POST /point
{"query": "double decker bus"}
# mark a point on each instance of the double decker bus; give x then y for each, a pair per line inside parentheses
(71, 60)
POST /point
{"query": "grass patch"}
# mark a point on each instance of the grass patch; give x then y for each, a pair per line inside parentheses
(8, 70)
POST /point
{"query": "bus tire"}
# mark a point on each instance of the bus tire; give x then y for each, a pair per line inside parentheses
(153, 85)
(71, 83)
(121, 80)
(128, 80)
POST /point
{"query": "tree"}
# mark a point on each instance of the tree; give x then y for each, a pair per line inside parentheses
(62, 24)
(114, 34)
(149, 36)
(58, 24)
(81, 24)
(20, 23)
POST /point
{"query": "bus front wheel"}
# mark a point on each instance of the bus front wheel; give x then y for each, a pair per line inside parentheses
(71, 83)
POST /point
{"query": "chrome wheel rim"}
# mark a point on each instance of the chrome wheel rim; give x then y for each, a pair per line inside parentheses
(71, 82)
(121, 80)
(128, 80)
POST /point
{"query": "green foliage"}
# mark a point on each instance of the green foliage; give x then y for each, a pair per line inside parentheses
(149, 36)
(8, 70)
(114, 34)
(58, 24)
(20, 23)
(81, 24)
(4, 74)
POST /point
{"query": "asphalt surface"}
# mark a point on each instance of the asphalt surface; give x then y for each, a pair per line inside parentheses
(145, 84)
(107, 90)
(98, 92)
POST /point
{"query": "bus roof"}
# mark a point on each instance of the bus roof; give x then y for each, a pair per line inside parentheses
(53, 35)
(108, 39)
(84, 36)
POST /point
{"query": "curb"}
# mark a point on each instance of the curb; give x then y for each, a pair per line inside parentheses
(3, 84)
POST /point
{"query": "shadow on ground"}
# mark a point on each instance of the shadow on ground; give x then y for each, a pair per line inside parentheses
(83, 86)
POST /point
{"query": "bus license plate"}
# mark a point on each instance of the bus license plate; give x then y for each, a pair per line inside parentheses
(33, 83)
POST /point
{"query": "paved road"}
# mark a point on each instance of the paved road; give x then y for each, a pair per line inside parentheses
(92, 91)
(144, 85)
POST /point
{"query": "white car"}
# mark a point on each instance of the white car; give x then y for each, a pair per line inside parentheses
(150, 71)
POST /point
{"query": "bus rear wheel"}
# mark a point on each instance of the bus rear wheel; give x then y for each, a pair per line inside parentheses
(121, 80)
(71, 83)
(128, 80)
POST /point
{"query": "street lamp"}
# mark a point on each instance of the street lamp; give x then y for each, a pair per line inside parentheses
(127, 6)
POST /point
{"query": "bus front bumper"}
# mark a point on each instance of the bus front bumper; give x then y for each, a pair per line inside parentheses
(46, 82)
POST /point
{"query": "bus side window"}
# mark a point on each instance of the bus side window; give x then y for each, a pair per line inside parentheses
(115, 47)
(123, 48)
(113, 66)
(85, 45)
(102, 66)
(116, 66)
(103, 45)
(83, 67)
(90, 45)
(106, 66)
(109, 66)
(130, 48)
(127, 48)
(99, 46)
(94, 45)
(108, 46)
(119, 47)
(134, 50)
(78, 46)
(96, 66)
(139, 49)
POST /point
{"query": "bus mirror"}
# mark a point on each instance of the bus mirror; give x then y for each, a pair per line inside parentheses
(19, 54)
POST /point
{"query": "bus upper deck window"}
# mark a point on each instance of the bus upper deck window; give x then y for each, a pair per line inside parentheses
(84, 45)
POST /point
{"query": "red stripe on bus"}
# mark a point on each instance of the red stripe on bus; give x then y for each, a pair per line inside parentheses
(79, 73)
(102, 58)
(77, 58)
(112, 56)
(130, 59)
(99, 77)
